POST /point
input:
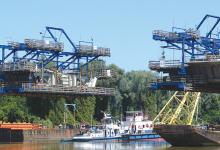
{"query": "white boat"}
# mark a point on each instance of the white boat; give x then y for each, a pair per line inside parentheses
(136, 126)
(107, 131)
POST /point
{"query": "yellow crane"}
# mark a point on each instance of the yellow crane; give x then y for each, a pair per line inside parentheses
(180, 109)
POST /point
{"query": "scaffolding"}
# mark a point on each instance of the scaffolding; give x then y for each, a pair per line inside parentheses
(157, 65)
(19, 66)
(86, 50)
(43, 66)
(197, 69)
(44, 45)
(106, 73)
(74, 90)
(165, 35)
(14, 45)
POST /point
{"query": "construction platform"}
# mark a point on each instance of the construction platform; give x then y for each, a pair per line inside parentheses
(45, 67)
(74, 90)
(198, 70)
(202, 75)
(85, 50)
(25, 78)
(199, 63)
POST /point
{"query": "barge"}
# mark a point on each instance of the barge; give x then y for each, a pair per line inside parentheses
(188, 135)
(20, 132)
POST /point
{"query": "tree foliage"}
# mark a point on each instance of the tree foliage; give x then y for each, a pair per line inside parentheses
(132, 93)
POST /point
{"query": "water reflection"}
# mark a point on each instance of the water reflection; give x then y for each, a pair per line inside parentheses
(56, 145)
(134, 145)
(192, 148)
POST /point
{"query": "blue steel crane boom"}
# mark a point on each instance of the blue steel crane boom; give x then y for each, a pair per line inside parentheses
(189, 78)
(41, 53)
(191, 44)
(51, 55)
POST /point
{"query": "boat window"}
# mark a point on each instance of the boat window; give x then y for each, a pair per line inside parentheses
(98, 131)
(108, 121)
(143, 126)
(130, 114)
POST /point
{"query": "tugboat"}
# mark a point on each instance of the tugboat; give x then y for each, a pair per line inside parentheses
(137, 127)
(107, 131)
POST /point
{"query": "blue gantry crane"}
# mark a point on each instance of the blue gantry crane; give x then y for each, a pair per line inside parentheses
(198, 68)
(196, 71)
(45, 66)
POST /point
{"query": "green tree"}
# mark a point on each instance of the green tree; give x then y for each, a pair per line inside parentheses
(85, 109)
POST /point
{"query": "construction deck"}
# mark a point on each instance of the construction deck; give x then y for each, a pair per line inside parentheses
(77, 90)
(43, 66)
(198, 68)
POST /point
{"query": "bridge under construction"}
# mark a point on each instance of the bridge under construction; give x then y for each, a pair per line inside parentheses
(199, 65)
(197, 70)
(46, 66)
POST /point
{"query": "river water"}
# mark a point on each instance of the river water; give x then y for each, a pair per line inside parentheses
(57, 145)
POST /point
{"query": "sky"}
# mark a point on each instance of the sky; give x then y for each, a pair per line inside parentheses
(125, 26)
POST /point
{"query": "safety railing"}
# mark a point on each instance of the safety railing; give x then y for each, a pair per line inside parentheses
(60, 89)
(106, 73)
(194, 33)
(170, 79)
(18, 66)
(14, 45)
(85, 50)
(174, 35)
(207, 58)
(165, 34)
(164, 64)
(44, 45)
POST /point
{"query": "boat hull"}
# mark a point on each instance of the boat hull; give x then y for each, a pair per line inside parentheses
(127, 137)
(140, 136)
(87, 139)
(186, 135)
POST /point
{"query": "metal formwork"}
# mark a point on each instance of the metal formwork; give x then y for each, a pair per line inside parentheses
(23, 65)
(60, 89)
(197, 70)
(44, 45)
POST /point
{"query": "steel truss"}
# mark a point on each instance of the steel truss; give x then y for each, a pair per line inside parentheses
(193, 45)
(180, 109)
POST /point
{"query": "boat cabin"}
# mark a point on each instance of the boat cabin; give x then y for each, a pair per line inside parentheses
(137, 123)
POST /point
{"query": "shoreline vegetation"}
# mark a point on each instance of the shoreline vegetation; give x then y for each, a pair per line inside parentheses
(132, 93)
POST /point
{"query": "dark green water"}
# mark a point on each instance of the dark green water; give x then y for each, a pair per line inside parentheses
(56, 145)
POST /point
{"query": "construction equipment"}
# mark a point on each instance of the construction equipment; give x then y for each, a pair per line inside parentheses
(45, 66)
(197, 70)
(180, 109)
